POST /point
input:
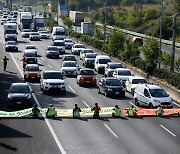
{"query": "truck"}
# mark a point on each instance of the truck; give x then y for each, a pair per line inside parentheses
(38, 23)
(76, 17)
(24, 20)
(87, 28)
(10, 31)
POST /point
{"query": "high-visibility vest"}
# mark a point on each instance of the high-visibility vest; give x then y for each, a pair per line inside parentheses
(117, 112)
(51, 111)
(76, 112)
(132, 111)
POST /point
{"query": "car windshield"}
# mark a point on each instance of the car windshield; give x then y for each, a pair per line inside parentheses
(113, 82)
(79, 46)
(114, 66)
(10, 31)
(43, 32)
(88, 51)
(136, 81)
(69, 41)
(69, 64)
(19, 89)
(34, 33)
(53, 75)
(30, 54)
(27, 30)
(59, 44)
(158, 93)
(30, 47)
(11, 43)
(60, 33)
(86, 72)
(104, 61)
(52, 48)
(32, 68)
(69, 58)
(124, 73)
(90, 55)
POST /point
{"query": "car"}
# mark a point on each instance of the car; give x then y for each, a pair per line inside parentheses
(3, 21)
(138, 41)
(32, 71)
(68, 43)
(52, 80)
(26, 33)
(110, 67)
(60, 45)
(31, 57)
(151, 95)
(52, 52)
(31, 48)
(76, 48)
(82, 53)
(11, 46)
(69, 68)
(86, 76)
(132, 82)
(89, 59)
(69, 58)
(123, 74)
(110, 86)
(101, 62)
(44, 34)
(34, 36)
(19, 94)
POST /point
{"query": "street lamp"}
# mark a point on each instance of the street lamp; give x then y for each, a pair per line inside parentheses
(160, 37)
(105, 20)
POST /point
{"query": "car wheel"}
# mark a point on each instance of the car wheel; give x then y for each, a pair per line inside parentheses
(106, 94)
(132, 92)
(136, 102)
(44, 91)
(99, 92)
(64, 92)
(150, 105)
(41, 87)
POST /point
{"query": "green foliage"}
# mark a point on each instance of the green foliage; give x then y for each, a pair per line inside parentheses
(165, 59)
(150, 14)
(177, 64)
(98, 33)
(67, 21)
(177, 5)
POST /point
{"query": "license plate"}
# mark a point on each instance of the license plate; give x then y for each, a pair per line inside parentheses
(31, 61)
(32, 77)
(116, 92)
(55, 86)
(69, 72)
(88, 81)
(18, 102)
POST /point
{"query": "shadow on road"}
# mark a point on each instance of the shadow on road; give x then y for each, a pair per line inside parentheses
(6, 146)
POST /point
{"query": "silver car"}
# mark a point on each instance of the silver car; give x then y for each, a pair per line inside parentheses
(69, 68)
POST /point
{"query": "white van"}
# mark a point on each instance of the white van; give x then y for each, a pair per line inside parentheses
(152, 96)
(58, 33)
(101, 62)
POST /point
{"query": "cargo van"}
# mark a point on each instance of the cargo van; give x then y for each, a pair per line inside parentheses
(58, 33)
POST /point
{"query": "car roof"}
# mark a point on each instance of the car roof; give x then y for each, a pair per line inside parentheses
(78, 44)
(110, 78)
(58, 40)
(29, 51)
(111, 63)
(30, 45)
(20, 84)
(68, 39)
(51, 71)
(51, 46)
(69, 62)
(35, 65)
(69, 55)
(86, 69)
(122, 69)
(11, 41)
(102, 56)
(150, 86)
(137, 77)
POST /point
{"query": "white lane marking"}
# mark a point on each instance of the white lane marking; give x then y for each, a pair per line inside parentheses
(176, 104)
(168, 130)
(133, 105)
(86, 104)
(46, 120)
(110, 130)
(42, 58)
(71, 88)
(50, 66)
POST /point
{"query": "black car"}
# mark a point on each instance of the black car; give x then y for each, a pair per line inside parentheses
(20, 94)
(11, 46)
(110, 87)
(31, 57)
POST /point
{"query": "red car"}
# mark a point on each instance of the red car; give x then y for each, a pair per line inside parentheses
(86, 76)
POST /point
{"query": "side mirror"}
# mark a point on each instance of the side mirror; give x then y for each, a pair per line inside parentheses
(32, 91)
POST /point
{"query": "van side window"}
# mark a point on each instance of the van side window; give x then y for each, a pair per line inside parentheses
(146, 93)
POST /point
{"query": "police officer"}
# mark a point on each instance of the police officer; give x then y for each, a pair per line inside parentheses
(5, 60)
(96, 110)
(76, 111)
(132, 111)
(159, 111)
(51, 112)
(35, 111)
(117, 111)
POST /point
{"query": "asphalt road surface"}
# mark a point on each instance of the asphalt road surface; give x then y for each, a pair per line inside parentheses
(151, 135)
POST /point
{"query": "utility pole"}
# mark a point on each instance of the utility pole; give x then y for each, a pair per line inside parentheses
(160, 37)
(175, 25)
(105, 21)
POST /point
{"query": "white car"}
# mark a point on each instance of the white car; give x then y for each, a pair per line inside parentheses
(89, 59)
(68, 43)
(69, 68)
(151, 96)
(52, 80)
(133, 82)
(85, 51)
(122, 74)
(26, 33)
(44, 34)
(31, 48)
(34, 36)
(60, 45)
(52, 52)
(76, 48)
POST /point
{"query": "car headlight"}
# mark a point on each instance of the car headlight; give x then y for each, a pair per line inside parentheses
(109, 89)
(28, 96)
(157, 101)
(75, 71)
(10, 96)
(46, 83)
(63, 72)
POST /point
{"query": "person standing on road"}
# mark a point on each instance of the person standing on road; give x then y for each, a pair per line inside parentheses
(96, 110)
(51, 112)
(117, 111)
(159, 111)
(5, 60)
(24, 60)
(35, 111)
(132, 111)
(76, 111)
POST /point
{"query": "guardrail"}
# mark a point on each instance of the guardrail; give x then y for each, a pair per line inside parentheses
(138, 34)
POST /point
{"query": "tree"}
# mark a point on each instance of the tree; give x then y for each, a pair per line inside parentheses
(165, 59)
(177, 64)
(177, 5)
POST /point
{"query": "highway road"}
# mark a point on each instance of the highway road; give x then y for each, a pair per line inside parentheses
(150, 135)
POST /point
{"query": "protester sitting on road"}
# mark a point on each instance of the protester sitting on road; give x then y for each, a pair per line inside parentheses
(159, 111)
(117, 111)
(51, 111)
(35, 111)
(76, 111)
(132, 111)
(96, 110)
